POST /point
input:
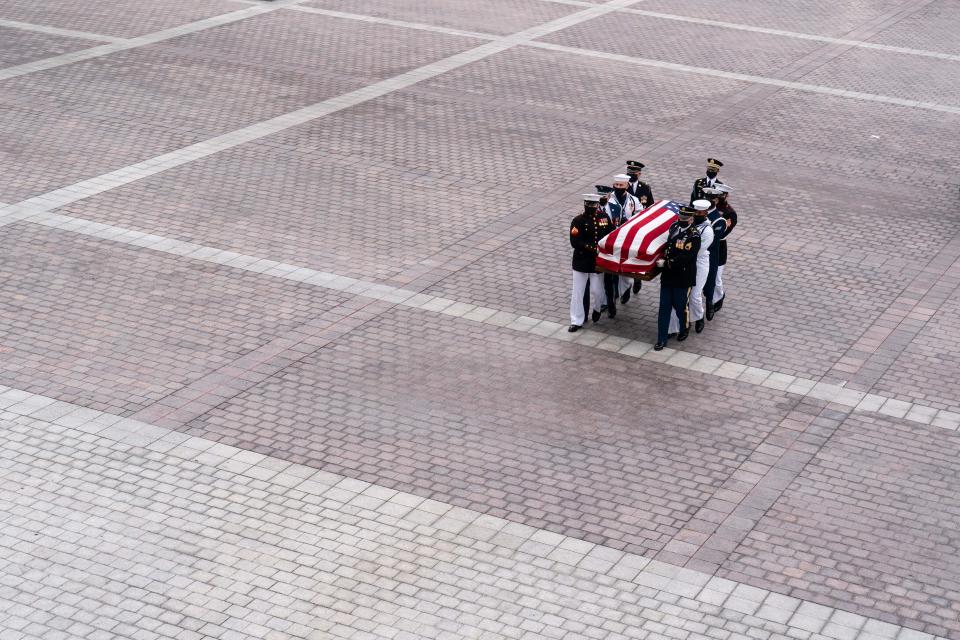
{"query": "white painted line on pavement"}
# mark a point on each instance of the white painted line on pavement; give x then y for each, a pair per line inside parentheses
(56, 31)
(139, 41)
(743, 77)
(681, 359)
(774, 32)
(119, 177)
(66, 454)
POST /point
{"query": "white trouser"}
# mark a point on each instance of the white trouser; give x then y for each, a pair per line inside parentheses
(695, 302)
(718, 291)
(625, 283)
(697, 307)
(580, 280)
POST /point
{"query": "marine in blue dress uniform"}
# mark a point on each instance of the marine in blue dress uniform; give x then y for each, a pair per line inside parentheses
(679, 265)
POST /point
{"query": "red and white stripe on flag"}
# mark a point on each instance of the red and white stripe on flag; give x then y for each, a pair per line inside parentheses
(636, 245)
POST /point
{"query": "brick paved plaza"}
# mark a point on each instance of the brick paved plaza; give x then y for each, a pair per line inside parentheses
(285, 289)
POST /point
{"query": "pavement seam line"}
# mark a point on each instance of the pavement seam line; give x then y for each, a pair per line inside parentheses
(680, 68)
(56, 31)
(806, 387)
(127, 44)
(744, 77)
(862, 44)
(158, 164)
(664, 578)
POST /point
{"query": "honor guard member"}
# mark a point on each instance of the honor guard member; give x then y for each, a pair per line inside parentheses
(585, 231)
(623, 206)
(719, 224)
(679, 274)
(711, 179)
(638, 188)
(730, 215)
(697, 306)
(611, 281)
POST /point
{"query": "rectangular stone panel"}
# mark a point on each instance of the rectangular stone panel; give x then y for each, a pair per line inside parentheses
(928, 370)
(491, 16)
(685, 43)
(523, 119)
(554, 435)
(932, 28)
(870, 525)
(445, 159)
(18, 46)
(893, 144)
(116, 329)
(818, 17)
(359, 217)
(121, 18)
(893, 74)
(195, 87)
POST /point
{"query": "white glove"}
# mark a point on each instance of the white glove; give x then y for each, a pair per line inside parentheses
(661, 262)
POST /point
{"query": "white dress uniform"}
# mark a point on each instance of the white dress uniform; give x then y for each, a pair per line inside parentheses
(697, 306)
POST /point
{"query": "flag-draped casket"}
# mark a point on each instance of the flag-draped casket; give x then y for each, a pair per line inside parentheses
(634, 247)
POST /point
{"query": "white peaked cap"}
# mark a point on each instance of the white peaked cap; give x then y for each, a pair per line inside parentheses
(701, 205)
(591, 197)
(621, 177)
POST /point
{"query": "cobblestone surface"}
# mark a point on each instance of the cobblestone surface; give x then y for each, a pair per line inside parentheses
(21, 46)
(123, 18)
(684, 43)
(823, 535)
(140, 325)
(492, 16)
(161, 536)
(449, 430)
(340, 241)
(927, 28)
(820, 17)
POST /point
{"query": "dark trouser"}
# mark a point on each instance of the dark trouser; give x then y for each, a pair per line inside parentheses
(711, 285)
(672, 299)
(611, 286)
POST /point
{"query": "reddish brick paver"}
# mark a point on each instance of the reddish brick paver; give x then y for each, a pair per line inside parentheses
(844, 269)
(90, 117)
(685, 43)
(122, 18)
(869, 524)
(490, 16)
(27, 46)
(819, 17)
(552, 435)
(929, 28)
(117, 329)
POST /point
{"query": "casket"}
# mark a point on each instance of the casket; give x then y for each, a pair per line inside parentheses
(634, 247)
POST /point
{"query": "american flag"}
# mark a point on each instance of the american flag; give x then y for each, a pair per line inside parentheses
(635, 246)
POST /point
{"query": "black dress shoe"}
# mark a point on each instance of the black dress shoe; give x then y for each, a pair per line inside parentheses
(659, 346)
(612, 311)
(596, 316)
(698, 325)
(718, 304)
(637, 283)
(603, 307)
(710, 311)
(683, 336)
(625, 298)
(574, 328)
(671, 335)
